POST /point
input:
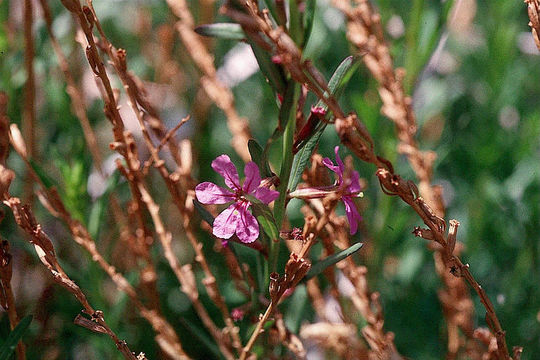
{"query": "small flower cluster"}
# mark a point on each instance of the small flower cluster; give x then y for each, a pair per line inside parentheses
(236, 219)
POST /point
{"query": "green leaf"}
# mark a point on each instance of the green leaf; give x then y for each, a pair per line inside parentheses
(206, 216)
(302, 157)
(319, 267)
(259, 157)
(295, 23)
(229, 31)
(273, 72)
(8, 347)
(341, 77)
(294, 309)
(202, 336)
(309, 17)
(266, 219)
(336, 85)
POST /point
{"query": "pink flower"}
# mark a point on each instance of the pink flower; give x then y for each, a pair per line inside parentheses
(350, 188)
(236, 218)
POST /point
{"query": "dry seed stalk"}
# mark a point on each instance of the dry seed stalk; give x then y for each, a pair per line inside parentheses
(166, 336)
(218, 92)
(366, 33)
(133, 91)
(356, 137)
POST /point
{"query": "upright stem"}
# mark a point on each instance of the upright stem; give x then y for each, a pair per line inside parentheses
(285, 172)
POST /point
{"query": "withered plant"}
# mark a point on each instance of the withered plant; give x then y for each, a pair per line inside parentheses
(272, 264)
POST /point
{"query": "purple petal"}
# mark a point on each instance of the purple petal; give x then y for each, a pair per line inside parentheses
(354, 186)
(266, 195)
(223, 166)
(210, 193)
(253, 177)
(226, 223)
(248, 227)
(338, 160)
(329, 164)
(352, 214)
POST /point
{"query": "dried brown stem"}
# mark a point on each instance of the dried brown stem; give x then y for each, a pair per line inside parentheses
(7, 299)
(366, 33)
(381, 344)
(356, 137)
(28, 110)
(75, 94)
(44, 248)
(217, 91)
(166, 336)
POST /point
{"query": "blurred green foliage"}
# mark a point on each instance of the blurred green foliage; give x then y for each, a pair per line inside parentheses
(475, 88)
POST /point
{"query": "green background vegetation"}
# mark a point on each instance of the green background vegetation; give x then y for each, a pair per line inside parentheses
(477, 107)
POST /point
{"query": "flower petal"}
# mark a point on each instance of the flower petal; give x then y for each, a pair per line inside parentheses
(338, 160)
(248, 227)
(354, 186)
(226, 223)
(266, 195)
(352, 214)
(329, 164)
(253, 177)
(210, 193)
(224, 166)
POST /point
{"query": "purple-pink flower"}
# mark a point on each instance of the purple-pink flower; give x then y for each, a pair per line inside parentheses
(236, 218)
(350, 188)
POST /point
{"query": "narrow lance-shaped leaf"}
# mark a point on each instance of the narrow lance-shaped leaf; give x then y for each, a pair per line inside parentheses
(9, 345)
(309, 17)
(274, 74)
(305, 147)
(202, 336)
(259, 157)
(229, 31)
(319, 267)
(295, 23)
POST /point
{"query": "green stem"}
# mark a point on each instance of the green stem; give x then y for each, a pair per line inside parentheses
(284, 174)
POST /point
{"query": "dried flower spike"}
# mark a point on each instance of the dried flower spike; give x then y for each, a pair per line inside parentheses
(236, 218)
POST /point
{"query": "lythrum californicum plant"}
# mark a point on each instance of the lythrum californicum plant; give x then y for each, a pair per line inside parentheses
(117, 200)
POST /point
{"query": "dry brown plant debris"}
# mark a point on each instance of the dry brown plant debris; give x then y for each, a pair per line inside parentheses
(365, 32)
(217, 91)
(355, 136)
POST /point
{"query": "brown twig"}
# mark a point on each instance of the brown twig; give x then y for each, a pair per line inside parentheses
(217, 91)
(355, 136)
(29, 108)
(166, 336)
(7, 299)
